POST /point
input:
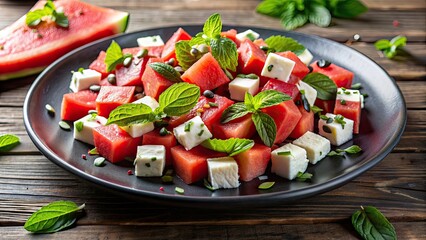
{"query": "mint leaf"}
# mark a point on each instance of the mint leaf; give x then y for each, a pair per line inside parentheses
(231, 146)
(213, 26)
(291, 18)
(130, 113)
(234, 111)
(53, 217)
(326, 88)
(266, 185)
(8, 142)
(398, 41)
(269, 98)
(382, 44)
(79, 126)
(61, 19)
(370, 223)
(114, 56)
(347, 8)
(282, 44)
(265, 127)
(319, 15)
(354, 149)
(34, 18)
(224, 50)
(166, 71)
(302, 177)
(273, 8)
(183, 54)
(316, 109)
(179, 99)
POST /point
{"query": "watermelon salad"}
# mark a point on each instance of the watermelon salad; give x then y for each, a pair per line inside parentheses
(218, 107)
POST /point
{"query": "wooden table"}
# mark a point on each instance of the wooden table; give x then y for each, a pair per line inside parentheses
(396, 186)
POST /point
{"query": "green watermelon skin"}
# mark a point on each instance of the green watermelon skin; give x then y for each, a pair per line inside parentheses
(27, 51)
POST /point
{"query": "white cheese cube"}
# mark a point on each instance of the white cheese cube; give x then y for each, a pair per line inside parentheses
(151, 41)
(310, 92)
(239, 86)
(138, 129)
(149, 101)
(334, 131)
(288, 161)
(150, 161)
(277, 67)
(316, 147)
(191, 133)
(223, 172)
(248, 34)
(348, 95)
(306, 57)
(83, 80)
(83, 127)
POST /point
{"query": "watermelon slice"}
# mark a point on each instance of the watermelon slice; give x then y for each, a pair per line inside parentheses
(26, 50)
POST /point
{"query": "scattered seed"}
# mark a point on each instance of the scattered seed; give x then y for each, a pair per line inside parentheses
(264, 48)
(179, 69)
(171, 62)
(50, 109)
(356, 37)
(139, 95)
(310, 68)
(270, 67)
(95, 88)
(326, 129)
(127, 61)
(322, 63)
(164, 131)
(142, 53)
(212, 104)
(179, 190)
(167, 179)
(93, 151)
(92, 112)
(112, 79)
(208, 94)
(266, 185)
(203, 48)
(194, 51)
(148, 164)
(64, 125)
(99, 162)
(138, 89)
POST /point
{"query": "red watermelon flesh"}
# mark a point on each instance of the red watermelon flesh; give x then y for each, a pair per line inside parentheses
(253, 162)
(169, 47)
(131, 75)
(168, 141)
(115, 144)
(251, 60)
(231, 34)
(284, 87)
(154, 83)
(326, 105)
(242, 127)
(191, 166)
(340, 76)
(350, 110)
(111, 97)
(76, 105)
(27, 52)
(306, 123)
(285, 115)
(99, 64)
(206, 73)
(300, 70)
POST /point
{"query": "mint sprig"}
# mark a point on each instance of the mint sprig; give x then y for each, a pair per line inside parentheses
(326, 88)
(391, 48)
(282, 44)
(183, 54)
(370, 223)
(166, 71)
(34, 18)
(354, 149)
(114, 56)
(131, 113)
(231, 146)
(265, 125)
(8, 142)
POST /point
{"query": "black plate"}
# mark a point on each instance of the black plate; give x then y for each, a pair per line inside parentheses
(383, 122)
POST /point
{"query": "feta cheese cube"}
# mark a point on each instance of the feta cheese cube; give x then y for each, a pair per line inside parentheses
(223, 172)
(150, 161)
(316, 146)
(83, 127)
(334, 131)
(248, 34)
(277, 67)
(151, 41)
(83, 80)
(306, 57)
(348, 95)
(191, 133)
(138, 129)
(288, 161)
(239, 86)
(149, 101)
(310, 92)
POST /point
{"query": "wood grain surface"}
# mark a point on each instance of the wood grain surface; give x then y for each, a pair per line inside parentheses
(397, 185)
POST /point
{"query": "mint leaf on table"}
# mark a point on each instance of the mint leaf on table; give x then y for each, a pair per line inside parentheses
(319, 15)
(114, 56)
(273, 8)
(131, 113)
(53, 217)
(265, 127)
(8, 142)
(370, 223)
(292, 18)
(354, 149)
(347, 8)
(390, 48)
(166, 71)
(231, 146)
(302, 177)
(281, 44)
(326, 88)
(179, 99)
(34, 18)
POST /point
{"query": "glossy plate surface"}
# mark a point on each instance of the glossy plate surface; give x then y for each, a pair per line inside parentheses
(383, 122)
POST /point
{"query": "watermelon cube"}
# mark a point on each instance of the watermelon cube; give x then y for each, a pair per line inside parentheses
(153, 82)
(76, 105)
(169, 48)
(206, 73)
(191, 166)
(286, 115)
(300, 69)
(251, 60)
(231, 34)
(326, 105)
(114, 143)
(131, 75)
(284, 87)
(242, 127)
(99, 64)
(348, 104)
(253, 162)
(340, 76)
(111, 97)
(305, 124)
(168, 141)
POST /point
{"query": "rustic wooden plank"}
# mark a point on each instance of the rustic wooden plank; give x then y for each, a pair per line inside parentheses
(411, 230)
(395, 186)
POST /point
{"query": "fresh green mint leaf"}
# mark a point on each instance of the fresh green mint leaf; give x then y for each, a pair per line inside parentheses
(166, 71)
(272, 8)
(213, 26)
(266, 185)
(224, 50)
(208, 185)
(34, 18)
(302, 177)
(354, 149)
(79, 126)
(316, 109)
(131, 113)
(347, 8)
(249, 102)
(325, 87)
(282, 44)
(265, 127)
(340, 119)
(382, 44)
(231, 146)
(291, 18)
(61, 19)
(269, 98)
(8, 142)
(370, 223)
(53, 217)
(114, 56)
(179, 99)
(334, 153)
(183, 54)
(234, 111)
(398, 41)
(319, 15)
(93, 151)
